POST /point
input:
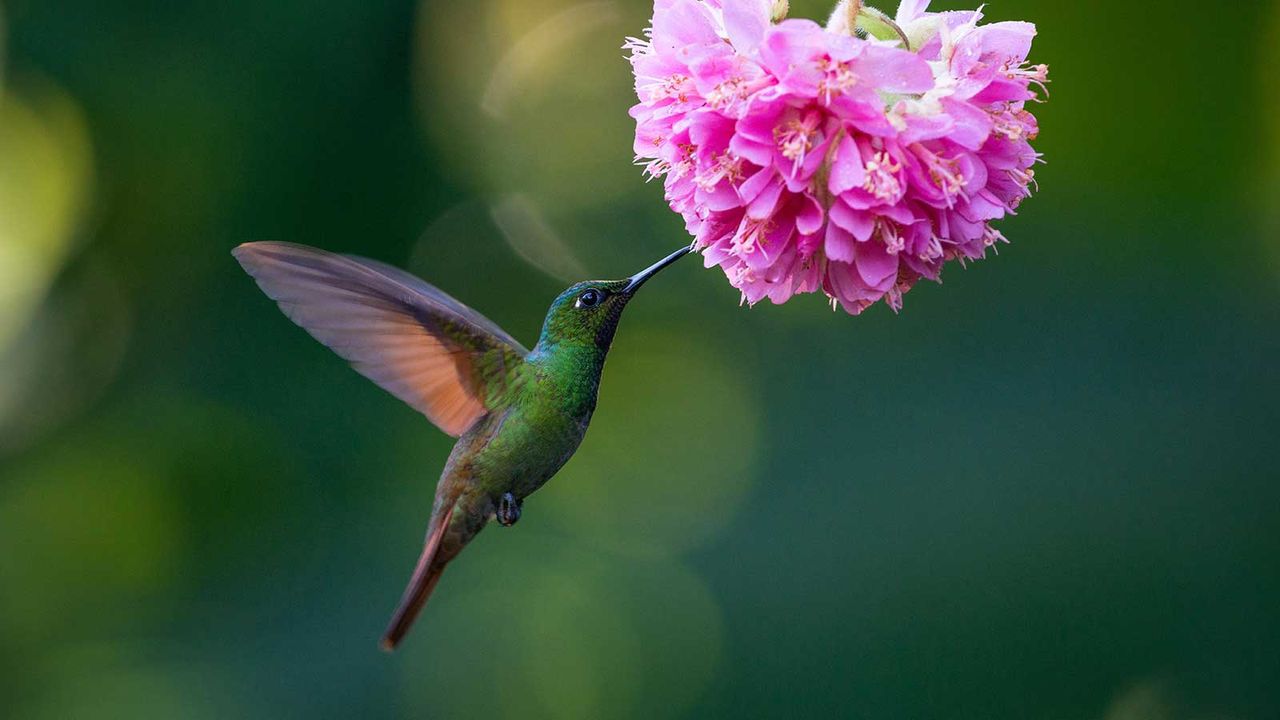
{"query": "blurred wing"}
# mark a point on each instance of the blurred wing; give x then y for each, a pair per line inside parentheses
(431, 351)
(426, 289)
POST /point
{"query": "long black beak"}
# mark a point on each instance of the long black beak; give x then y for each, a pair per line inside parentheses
(639, 278)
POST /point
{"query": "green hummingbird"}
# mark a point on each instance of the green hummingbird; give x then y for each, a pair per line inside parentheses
(519, 415)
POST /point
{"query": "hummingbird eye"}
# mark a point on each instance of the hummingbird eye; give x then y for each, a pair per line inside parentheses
(589, 298)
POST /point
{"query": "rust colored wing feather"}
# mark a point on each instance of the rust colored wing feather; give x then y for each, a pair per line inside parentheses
(441, 357)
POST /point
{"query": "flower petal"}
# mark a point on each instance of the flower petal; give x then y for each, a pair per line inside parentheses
(745, 21)
(895, 70)
(847, 170)
(859, 223)
(810, 217)
(765, 203)
(875, 264)
(838, 244)
(909, 10)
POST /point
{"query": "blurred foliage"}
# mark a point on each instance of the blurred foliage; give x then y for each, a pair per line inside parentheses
(675, 451)
(1269, 82)
(1044, 490)
(44, 185)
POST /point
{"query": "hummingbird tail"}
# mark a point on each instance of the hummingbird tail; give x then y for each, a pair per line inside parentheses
(425, 576)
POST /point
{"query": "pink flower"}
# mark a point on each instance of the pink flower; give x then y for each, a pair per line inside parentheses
(807, 160)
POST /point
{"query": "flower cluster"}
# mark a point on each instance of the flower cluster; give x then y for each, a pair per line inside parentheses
(805, 159)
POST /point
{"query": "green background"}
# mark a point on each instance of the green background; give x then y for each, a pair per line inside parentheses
(1046, 489)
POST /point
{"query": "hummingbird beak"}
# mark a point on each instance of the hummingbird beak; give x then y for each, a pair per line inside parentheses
(639, 278)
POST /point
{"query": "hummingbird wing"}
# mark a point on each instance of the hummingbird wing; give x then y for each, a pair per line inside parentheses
(441, 357)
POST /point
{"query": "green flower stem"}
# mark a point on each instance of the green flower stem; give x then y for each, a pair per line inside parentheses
(854, 18)
(880, 26)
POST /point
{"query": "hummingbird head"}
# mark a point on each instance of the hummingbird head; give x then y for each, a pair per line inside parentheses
(588, 312)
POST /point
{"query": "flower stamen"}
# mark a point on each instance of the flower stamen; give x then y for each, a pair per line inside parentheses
(836, 78)
(795, 138)
(754, 234)
(728, 93)
(675, 86)
(1037, 75)
(726, 166)
(881, 180)
(944, 172)
(893, 242)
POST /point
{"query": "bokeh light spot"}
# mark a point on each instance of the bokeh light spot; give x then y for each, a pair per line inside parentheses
(84, 533)
(44, 184)
(671, 452)
(516, 121)
(541, 628)
(115, 681)
(533, 239)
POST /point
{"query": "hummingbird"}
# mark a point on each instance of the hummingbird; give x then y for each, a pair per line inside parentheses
(518, 414)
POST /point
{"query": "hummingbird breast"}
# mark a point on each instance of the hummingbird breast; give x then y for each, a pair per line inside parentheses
(525, 444)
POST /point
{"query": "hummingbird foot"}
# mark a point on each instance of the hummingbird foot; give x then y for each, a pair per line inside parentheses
(508, 510)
